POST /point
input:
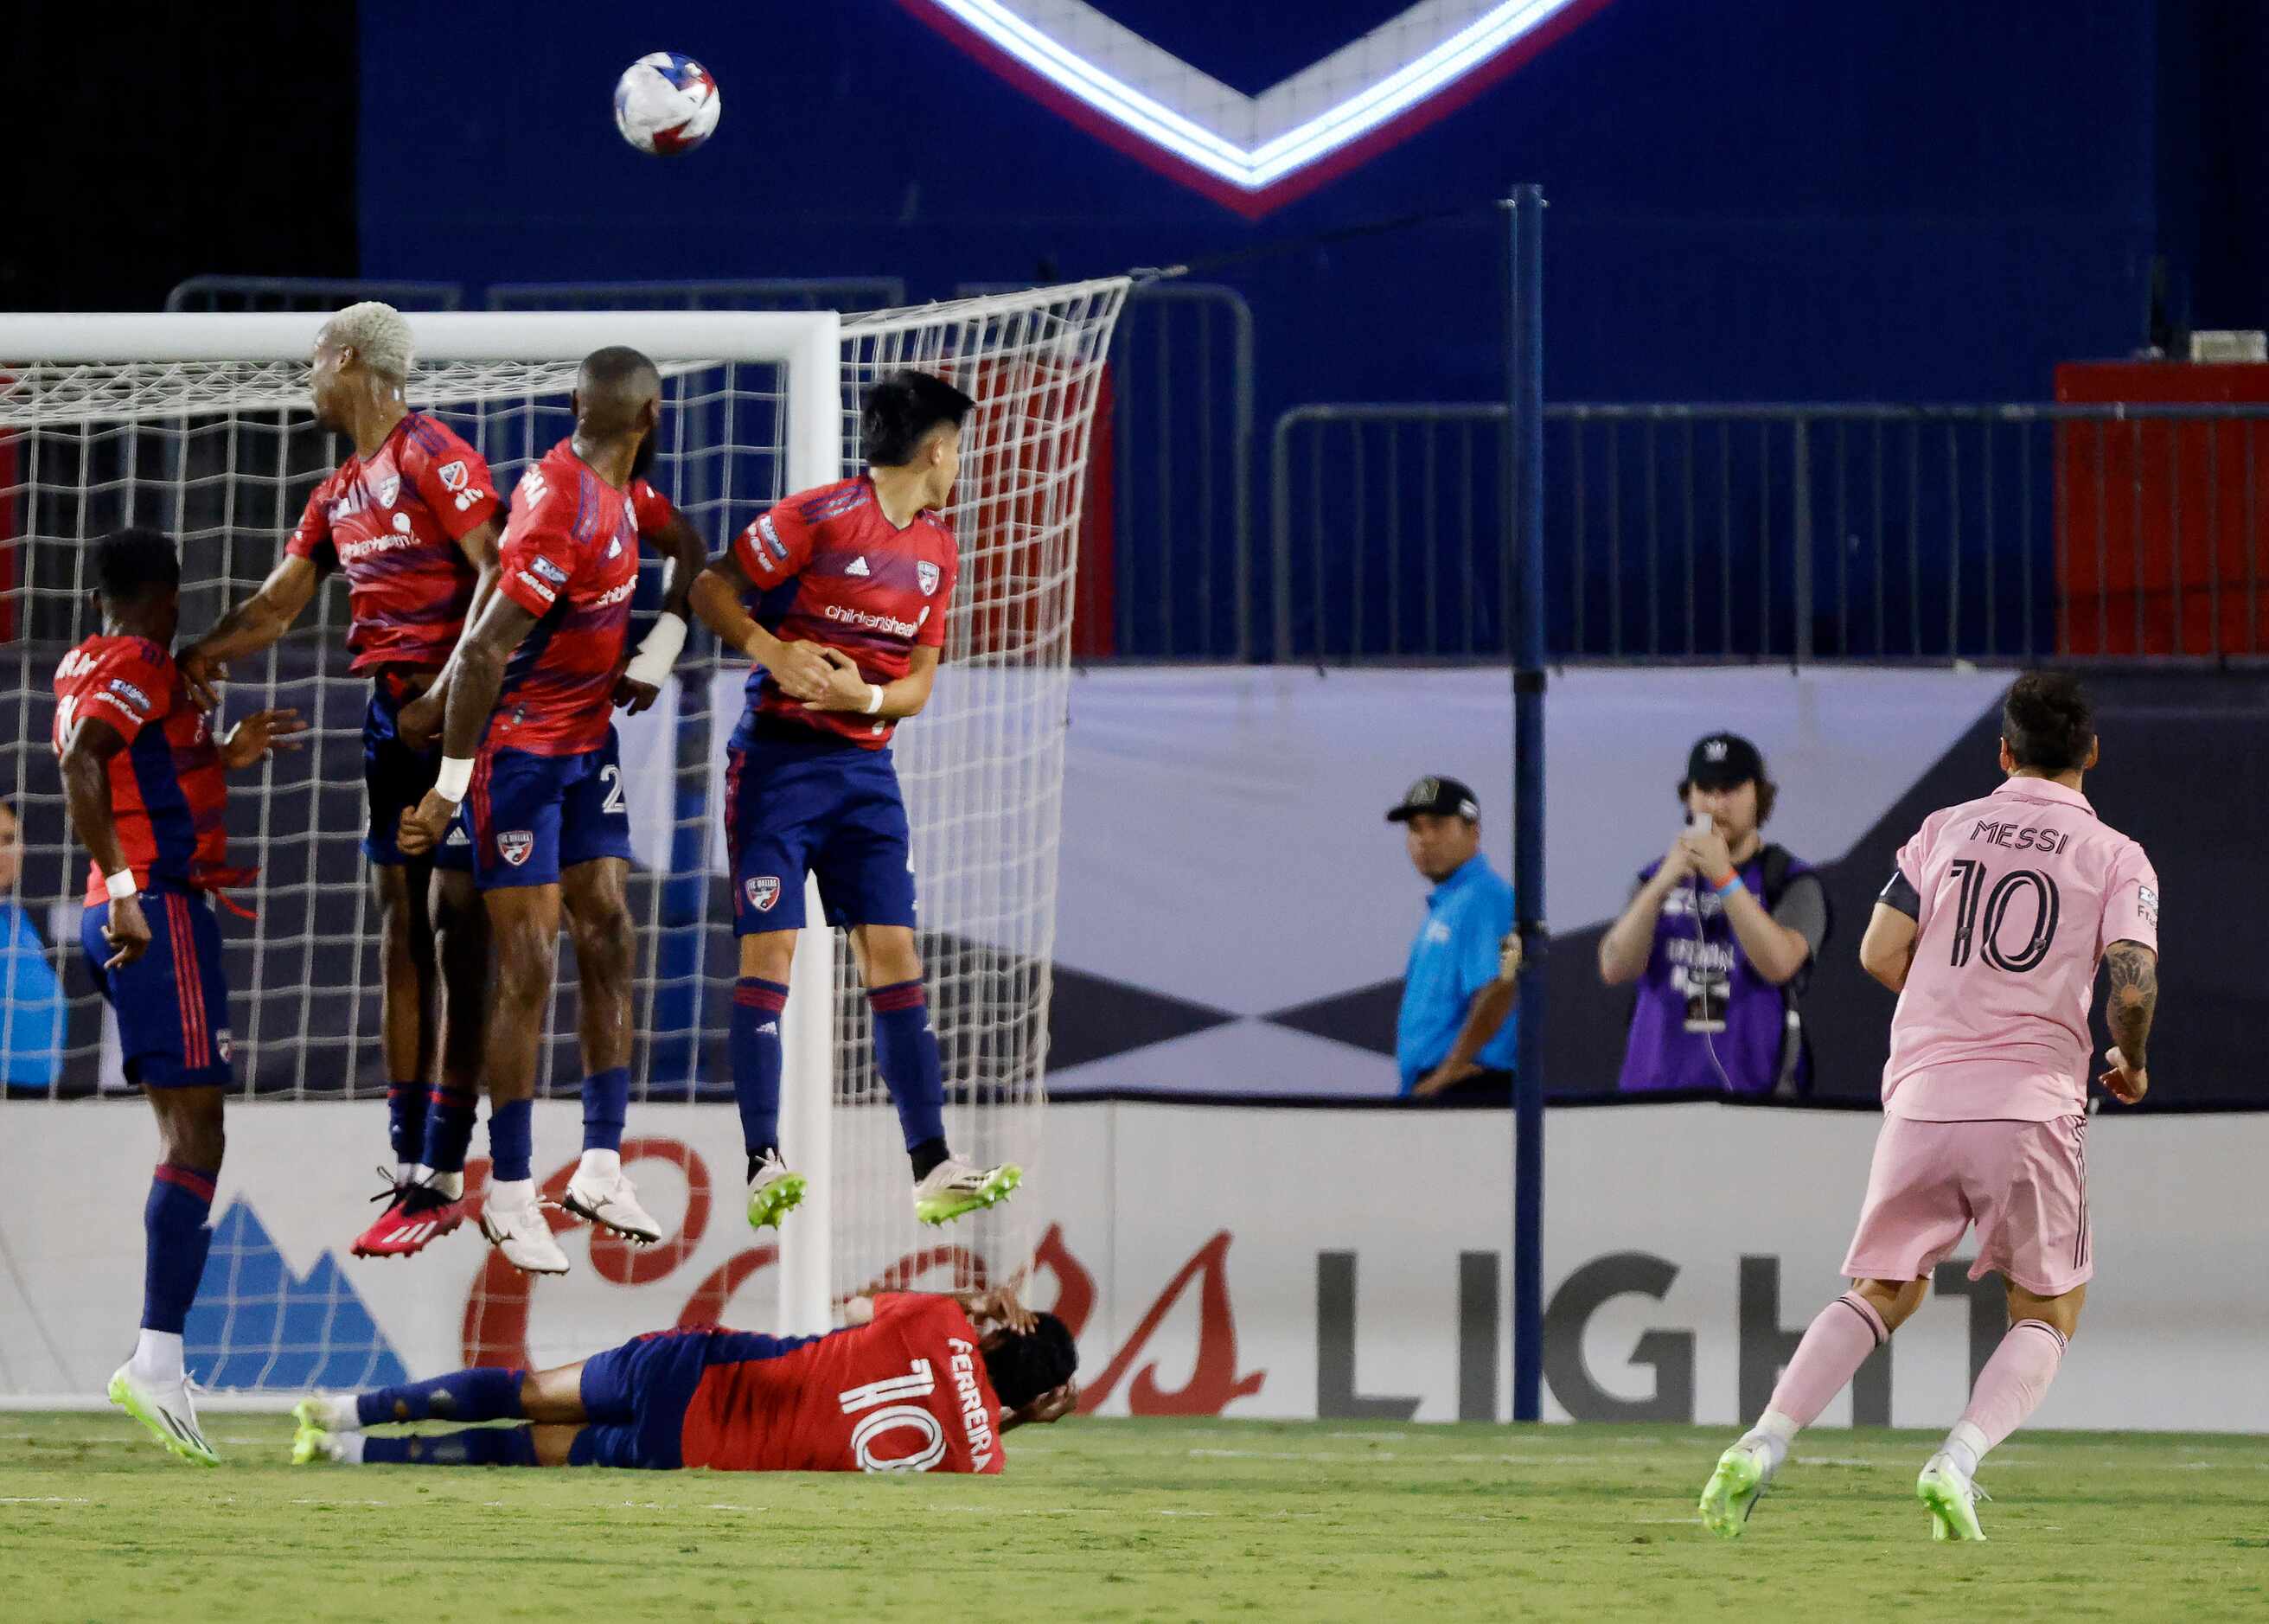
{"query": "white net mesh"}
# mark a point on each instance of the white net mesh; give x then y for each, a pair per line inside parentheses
(222, 455)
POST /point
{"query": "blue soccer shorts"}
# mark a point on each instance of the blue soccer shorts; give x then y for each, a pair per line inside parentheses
(531, 817)
(635, 1396)
(397, 778)
(824, 806)
(172, 1003)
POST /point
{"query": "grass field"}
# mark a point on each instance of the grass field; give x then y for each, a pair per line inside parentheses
(1134, 1519)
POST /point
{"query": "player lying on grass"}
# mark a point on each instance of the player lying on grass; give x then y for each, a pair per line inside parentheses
(142, 775)
(1989, 931)
(528, 747)
(917, 1382)
(849, 586)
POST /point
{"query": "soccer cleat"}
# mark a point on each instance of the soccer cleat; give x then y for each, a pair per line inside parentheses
(418, 1216)
(612, 1204)
(1952, 1498)
(167, 1412)
(774, 1192)
(1733, 1490)
(311, 1445)
(327, 1412)
(953, 1187)
(521, 1235)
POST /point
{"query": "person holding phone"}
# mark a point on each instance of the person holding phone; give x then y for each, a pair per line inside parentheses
(1718, 939)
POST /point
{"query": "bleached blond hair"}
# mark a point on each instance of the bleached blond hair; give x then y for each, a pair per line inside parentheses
(378, 334)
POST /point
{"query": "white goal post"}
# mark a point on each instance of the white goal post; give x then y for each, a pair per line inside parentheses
(198, 423)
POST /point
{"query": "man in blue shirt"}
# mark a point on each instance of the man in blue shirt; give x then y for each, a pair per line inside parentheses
(1455, 1033)
(31, 999)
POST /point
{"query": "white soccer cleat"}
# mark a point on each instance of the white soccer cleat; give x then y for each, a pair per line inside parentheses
(612, 1204)
(166, 1411)
(773, 1193)
(1952, 1497)
(523, 1237)
(953, 1187)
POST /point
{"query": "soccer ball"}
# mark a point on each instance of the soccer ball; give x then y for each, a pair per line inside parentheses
(666, 104)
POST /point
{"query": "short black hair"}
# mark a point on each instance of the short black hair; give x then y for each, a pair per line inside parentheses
(611, 385)
(2048, 722)
(135, 563)
(901, 409)
(1024, 1364)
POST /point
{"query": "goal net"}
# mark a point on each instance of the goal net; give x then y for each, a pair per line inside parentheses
(199, 425)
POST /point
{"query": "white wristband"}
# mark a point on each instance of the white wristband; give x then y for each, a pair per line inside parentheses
(120, 885)
(874, 698)
(657, 651)
(456, 775)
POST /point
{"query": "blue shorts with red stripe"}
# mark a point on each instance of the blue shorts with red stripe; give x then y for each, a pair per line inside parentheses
(532, 816)
(172, 1003)
(397, 778)
(801, 801)
(635, 1396)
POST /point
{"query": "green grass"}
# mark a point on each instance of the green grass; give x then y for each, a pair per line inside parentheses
(1136, 1520)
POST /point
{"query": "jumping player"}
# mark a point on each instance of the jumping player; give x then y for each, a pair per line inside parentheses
(1989, 930)
(912, 1386)
(850, 582)
(527, 736)
(142, 774)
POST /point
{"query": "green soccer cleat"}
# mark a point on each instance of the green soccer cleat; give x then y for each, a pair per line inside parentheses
(167, 1412)
(953, 1188)
(311, 1445)
(774, 1192)
(1733, 1490)
(1952, 1498)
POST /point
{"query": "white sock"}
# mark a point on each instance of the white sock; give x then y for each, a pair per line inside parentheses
(157, 1357)
(606, 1164)
(451, 1185)
(1967, 1445)
(1773, 1433)
(339, 1411)
(346, 1449)
(512, 1195)
(408, 1172)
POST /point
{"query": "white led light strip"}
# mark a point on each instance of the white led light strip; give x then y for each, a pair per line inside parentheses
(1476, 34)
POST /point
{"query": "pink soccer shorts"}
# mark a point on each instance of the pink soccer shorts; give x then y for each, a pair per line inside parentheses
(2024, 1185)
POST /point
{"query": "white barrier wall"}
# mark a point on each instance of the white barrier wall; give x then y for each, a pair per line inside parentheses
(1243, 1261)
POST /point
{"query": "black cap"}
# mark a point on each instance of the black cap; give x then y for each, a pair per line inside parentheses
(1445, 797)
(1724, 761)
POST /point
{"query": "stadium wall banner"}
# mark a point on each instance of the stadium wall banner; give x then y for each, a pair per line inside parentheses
(1253, 1261)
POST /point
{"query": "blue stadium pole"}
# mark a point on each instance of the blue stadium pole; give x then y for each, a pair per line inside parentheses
(1524, 509)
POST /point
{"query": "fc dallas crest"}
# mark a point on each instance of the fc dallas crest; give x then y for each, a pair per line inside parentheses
(764, 891)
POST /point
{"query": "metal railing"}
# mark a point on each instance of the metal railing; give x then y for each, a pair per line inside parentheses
(1774, 532)
(236, 293)
(843, 294)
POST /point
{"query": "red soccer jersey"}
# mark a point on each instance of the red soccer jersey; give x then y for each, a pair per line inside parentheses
(166, 793)
(907, 1392)
(831, 568)
(569, 558)
(392, 524)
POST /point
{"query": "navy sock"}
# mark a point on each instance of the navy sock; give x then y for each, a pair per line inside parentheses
(606, 1107)
(405, 1120)
(755, 1049)
(906, 1053)
(448, 1130)
(482, 1395)
(512, 1140)
(482, 1446)
(176, 1241)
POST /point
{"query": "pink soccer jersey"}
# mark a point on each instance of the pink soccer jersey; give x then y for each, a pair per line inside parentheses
(2015, 895)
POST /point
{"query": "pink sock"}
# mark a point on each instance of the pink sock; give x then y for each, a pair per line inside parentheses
(1834, 1347)
(2009, 1388)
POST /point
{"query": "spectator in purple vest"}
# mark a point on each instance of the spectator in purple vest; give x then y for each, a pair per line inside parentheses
(1718, 939)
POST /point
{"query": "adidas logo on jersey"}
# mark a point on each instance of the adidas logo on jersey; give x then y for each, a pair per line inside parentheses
(858, 566)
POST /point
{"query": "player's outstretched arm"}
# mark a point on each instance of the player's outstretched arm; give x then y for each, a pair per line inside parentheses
(86, 792)
(251, 626)
(480, 660)
(258, 734)
(2132, 969)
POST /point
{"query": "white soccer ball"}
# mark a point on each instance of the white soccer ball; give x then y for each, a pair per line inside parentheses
(666, 104)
